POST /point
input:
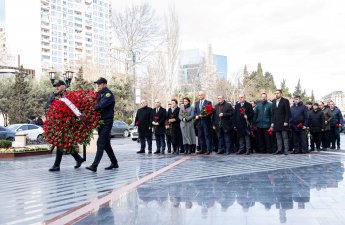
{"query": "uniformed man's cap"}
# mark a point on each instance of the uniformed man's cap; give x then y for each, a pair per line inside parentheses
(101, 80)
(58, 83)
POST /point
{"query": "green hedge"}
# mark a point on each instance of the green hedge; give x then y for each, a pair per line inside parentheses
(24, 149)
(5, 144)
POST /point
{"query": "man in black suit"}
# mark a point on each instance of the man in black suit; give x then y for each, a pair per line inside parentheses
(144, 123)
(223, 123)
(203, 124)
(280, 121)
(158, 118)
(243, 119)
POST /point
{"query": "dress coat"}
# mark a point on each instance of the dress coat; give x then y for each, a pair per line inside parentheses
(143, 121)
(241, 125)
(187, 127)
(227, 120)
(159, 117)
(280, 114)
(176, 135)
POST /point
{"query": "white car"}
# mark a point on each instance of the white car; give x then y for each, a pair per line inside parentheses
(34, 132)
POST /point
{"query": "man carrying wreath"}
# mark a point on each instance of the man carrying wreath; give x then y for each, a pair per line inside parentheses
(60, 87)
(106, 105)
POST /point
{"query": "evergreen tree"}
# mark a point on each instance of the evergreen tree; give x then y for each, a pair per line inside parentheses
(269, 84)
(245, 71)
(6, 94)
(312, 97)
(19, 109)
(124, 97)
(298, 89)
(80, 83)
(285, 89)
(259, 70)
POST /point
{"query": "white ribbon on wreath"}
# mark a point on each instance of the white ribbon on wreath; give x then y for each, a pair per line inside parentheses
(70, 105)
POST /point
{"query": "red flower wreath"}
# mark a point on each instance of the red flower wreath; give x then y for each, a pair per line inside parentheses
(63, 129)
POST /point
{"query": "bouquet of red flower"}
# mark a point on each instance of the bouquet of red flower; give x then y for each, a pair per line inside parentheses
(270, 131)
(137, 123)
(156, 118)
(299, 125)
(243, 113)
(338, 125)
(63, 128)
(207, 110)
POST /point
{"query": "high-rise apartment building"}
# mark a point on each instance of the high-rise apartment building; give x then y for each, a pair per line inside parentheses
(60, 33)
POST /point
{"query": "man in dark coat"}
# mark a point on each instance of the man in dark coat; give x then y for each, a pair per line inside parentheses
(106, 106)
(298, 124)
(158, 118)
(223, 123)
(316, 124)
(144, 124)
(243, 119)
(262, 120)
(336, 124)
(174, 123)
(60, 87)
(328, 118)
(203, 124)
(280, 121)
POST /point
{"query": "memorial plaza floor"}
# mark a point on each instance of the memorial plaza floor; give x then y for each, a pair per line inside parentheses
(147, 189)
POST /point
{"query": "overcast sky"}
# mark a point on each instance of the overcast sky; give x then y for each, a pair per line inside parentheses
(292, 39)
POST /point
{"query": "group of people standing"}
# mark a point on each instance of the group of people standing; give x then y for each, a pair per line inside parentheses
(262, 127)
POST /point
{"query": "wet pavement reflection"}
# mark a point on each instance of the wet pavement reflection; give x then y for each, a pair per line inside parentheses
(302, 195)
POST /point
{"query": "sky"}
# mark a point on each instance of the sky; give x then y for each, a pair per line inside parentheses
(292, 39)
(2, 11)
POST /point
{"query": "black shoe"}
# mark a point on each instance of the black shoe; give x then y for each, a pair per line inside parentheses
(285, 153)
(220, 153)
(338, 147)
(247, 153)
(157, 152)
(92, 168)
(207, 153)
(294, 152)
(332, 147)
(200, 152)
(277, 153)
(112, 166)
(78, 164)
(54, 168)
(324, 149)
(150, 152)
(169, 151)
(141, 151)
(318, 149)
(240, 152)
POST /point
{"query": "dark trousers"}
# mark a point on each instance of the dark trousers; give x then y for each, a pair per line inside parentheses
(335, 136)
(59, 154)
(225, 143)
(204, 135)
(146, 137)
(311, 141)
(282, 140)
(264, 141)
(168, 138)
(160, 142)
(300, 141)
(244, 142)
(325, 139)
(103, 143)
(316, 137)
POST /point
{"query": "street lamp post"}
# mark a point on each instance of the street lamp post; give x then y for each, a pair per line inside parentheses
(68, 76)
(52, 76)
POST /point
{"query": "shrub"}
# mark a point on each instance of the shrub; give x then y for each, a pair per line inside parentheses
(5, 144)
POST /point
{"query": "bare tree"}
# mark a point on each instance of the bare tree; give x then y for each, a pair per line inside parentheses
(137, 29)
(172, 35)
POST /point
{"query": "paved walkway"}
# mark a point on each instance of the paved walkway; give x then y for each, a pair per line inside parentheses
(30, 194)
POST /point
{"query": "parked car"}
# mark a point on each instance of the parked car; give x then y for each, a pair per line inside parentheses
(120, 128)
(135, 134)
(7, 134)
(34, 132)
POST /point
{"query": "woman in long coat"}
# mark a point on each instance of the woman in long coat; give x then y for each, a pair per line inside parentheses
(186, 116)
(174, 124)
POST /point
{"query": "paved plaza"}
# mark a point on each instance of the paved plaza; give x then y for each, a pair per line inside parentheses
(183, 190)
